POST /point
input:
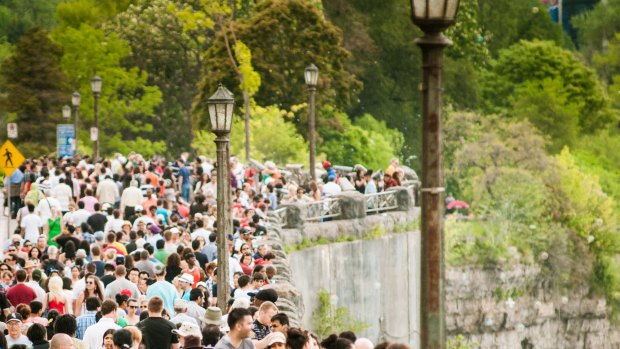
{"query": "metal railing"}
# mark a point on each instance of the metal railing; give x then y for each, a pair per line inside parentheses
(381, 202)
(321, 210)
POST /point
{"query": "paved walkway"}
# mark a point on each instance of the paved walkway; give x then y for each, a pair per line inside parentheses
(3, 221)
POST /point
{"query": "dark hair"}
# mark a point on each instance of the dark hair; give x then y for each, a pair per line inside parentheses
(282, 318)
(195, 244)
(243, 280)
(123, 339)
(69, 250)
(107, 307)
(120, 298)
(211, 334)
(92, 303)
(110, 331)
(296, 338)
(20, 275)
(36, 333)
(237, 315)
(212, 237)
(195, 293)
(65, 324)
(160, 244)
(334, 342)
(51, 320)
(173, 260)
(350, 335)
(35, 248)
(35, 307)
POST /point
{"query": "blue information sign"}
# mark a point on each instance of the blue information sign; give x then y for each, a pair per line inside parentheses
(64, 140)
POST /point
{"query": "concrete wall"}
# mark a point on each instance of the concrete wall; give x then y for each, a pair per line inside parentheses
(377, 280)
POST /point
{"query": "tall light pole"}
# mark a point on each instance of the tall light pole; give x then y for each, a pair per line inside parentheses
(433, 17)
(76, 99)
(221, 106)
(311, 75)
(95, 86)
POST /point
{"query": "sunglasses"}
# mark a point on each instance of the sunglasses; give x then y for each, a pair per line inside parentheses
(133, 306)
(12, 250)
(4, 269)
(90, 283)
(143, 306)
(8, 260)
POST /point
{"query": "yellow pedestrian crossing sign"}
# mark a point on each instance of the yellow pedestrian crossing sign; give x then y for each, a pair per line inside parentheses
(10, 158)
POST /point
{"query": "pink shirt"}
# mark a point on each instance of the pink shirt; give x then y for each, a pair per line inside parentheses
(89, 203)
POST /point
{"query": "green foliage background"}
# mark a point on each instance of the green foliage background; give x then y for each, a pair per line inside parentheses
(531, 118)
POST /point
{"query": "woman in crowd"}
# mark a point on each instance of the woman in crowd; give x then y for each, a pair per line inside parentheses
(55, 298)
(92, 289)
(108, 339)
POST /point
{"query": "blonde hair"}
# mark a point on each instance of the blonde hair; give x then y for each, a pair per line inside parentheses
(55, 287)
(136, 334)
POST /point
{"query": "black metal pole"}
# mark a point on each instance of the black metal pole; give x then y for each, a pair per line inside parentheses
(311, 126)
(75, 130)
(432, 310)
(224, 221)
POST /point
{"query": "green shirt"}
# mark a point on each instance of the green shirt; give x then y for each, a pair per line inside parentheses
(161, 255)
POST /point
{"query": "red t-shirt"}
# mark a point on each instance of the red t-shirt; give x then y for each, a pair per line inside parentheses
(20, 293)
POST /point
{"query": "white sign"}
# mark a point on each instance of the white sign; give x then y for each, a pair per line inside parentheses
(94, 134)
(11, 129)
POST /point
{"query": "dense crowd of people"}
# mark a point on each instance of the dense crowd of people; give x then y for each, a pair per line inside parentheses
(122, 253)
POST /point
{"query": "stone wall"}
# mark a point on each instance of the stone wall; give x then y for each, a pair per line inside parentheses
(479, 306)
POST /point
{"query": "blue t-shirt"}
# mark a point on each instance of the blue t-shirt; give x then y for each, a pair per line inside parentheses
(166, 291)
(184, 173)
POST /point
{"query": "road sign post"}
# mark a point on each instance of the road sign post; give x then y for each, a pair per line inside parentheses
(11, 130)
(64, 140)
(10, 160)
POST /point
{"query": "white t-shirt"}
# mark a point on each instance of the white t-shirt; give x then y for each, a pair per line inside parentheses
(31, 224)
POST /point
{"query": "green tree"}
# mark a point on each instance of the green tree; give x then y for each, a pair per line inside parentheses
(536, 61)
(597, 26)
(173, 59)
(126, 104)
(548, 107)
(379, 35)
(274, 137)
(506, 22)
(33, 90)
(19, 16)
(73, 13)
(285, 37)
(365, 141)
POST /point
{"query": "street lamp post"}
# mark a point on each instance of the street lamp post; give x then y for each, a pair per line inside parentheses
(76, 99)
(66, 112)
(221, 106)
(311, 75)
(433, 17)
(95, 85)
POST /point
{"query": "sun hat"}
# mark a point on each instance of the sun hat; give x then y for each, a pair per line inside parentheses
(188, 329)
(275, 337)
(187, 278)
(213, 316)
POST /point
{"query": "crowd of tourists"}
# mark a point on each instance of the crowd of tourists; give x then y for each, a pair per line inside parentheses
(122, 253)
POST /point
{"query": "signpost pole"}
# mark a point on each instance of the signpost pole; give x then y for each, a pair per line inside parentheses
(10, 160)
(8, 216)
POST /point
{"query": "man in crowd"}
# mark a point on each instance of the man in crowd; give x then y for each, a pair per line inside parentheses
(14, 323)
(157, 331)
(240, 323)
(121, 283)
(93, 336)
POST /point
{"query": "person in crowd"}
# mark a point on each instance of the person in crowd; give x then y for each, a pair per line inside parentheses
(93, 336)
(240, 323)
(157, 331)
(89, 317)
(262, 324)
(14, 323)
(279, 323)
(38, 337)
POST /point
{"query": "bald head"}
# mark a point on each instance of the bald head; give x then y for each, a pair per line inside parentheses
(61, 341)
(363, 343)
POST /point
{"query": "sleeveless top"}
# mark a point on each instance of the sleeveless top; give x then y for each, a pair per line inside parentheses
(54, 304)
